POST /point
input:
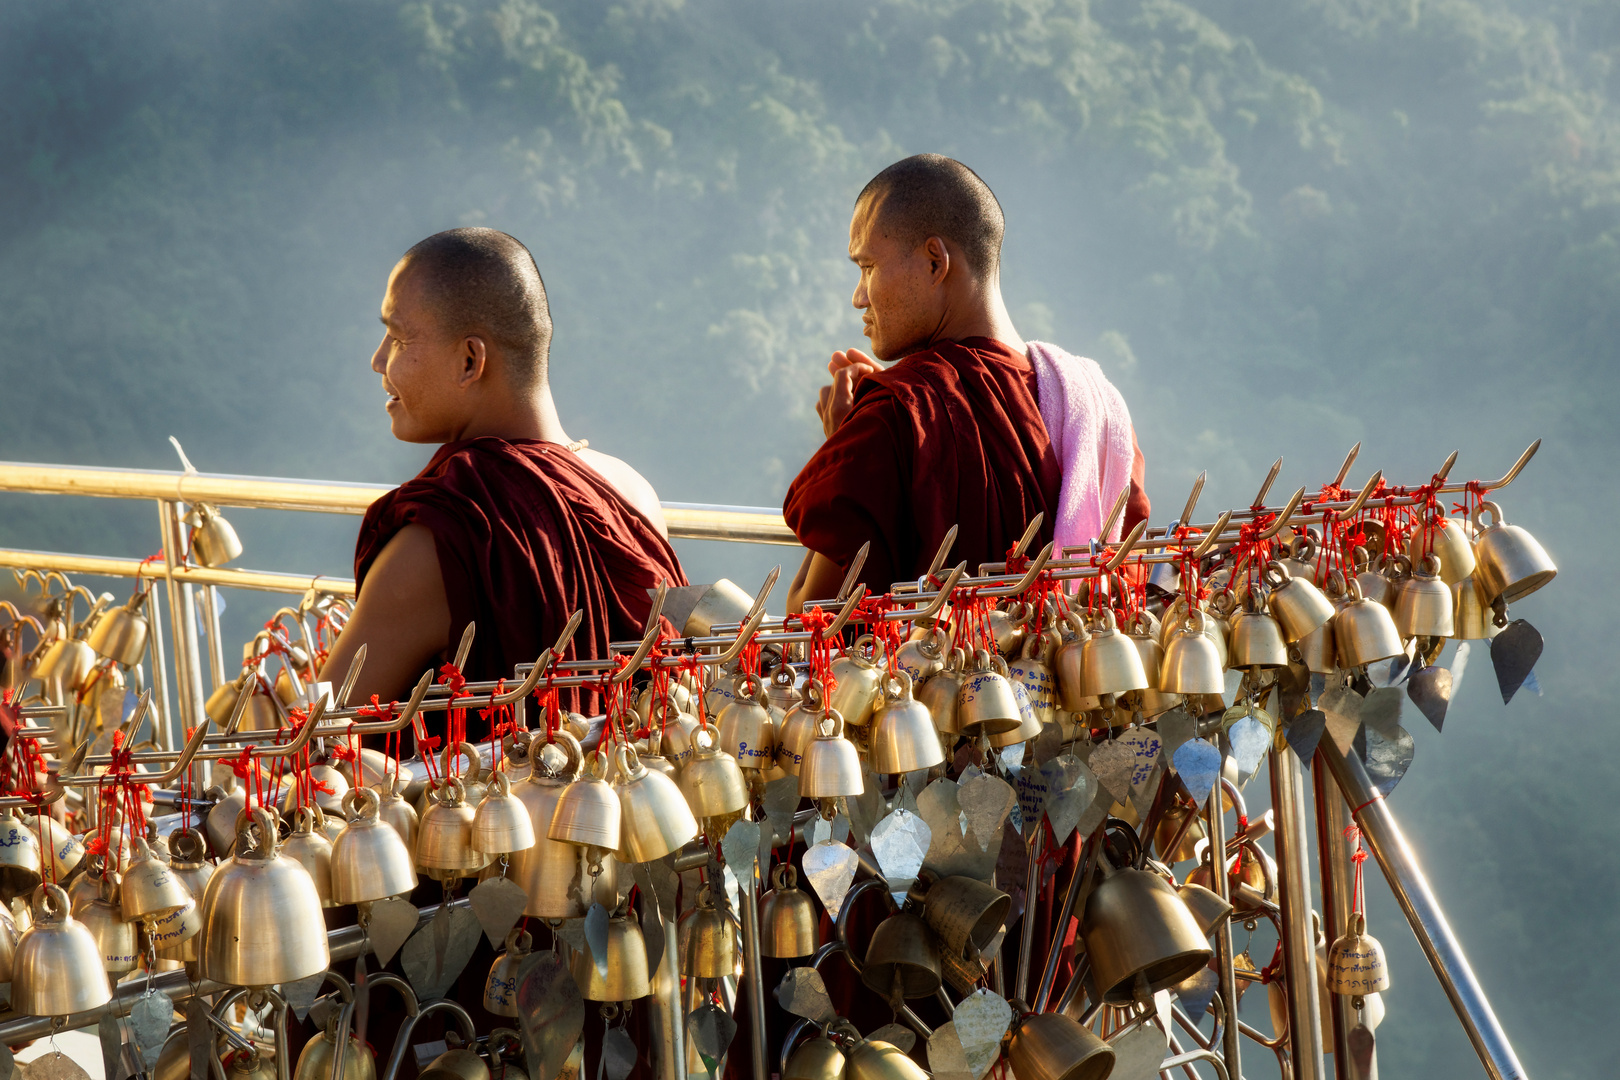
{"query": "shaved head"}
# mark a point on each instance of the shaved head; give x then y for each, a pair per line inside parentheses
(933, 195)
(483, 282)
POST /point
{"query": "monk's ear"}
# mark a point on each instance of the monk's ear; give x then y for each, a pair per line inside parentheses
(939, 259)
(474, 360)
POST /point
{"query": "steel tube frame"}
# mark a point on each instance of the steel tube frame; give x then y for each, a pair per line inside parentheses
(1299, 945)
(1406, 880)
(1216, 853)
(1338, 879)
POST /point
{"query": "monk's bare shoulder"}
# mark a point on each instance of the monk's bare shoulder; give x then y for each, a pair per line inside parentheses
(630, 484)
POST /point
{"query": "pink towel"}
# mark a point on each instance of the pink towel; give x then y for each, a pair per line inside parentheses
(1090, 429)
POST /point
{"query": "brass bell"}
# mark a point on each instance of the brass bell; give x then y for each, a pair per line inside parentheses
(1374, 586)
(1208, 909)
(1364, 632)
(1111, 661)
(1296, 603)
(20, 860)
(987, 704)
(500, 989)
(396, 811)
(904, 738)
(713, 782)
(114, 936)
(1257, 640)
(257, 913)
(677, 697)
(261, 712)
(554, 873)
(501, 824)
(150, 888)
(966, 914)
(858, 685)
(369, 860)
(653, 815)
(315, 1060)
(626, 977)
(68, 658)
(1472, 618)
(1512, 564)
(708, 940)
(1425, 607)
(213, 541)
(672, 734)
(1029, 724)
(1007, 627)
(444, 838)
(56, 967)
(815, 1059)
(1031, 672)
(1170, 824)
(831, 766)
(120, 634)
(588, 812)
(787, 918)
(1192, 664)
(1175, 618)
(747, 732)
(874, 1059)
(1069, 663)
(1448, 539)
(783, 691)
(1356, 964)
(321, 778)
(798, 728)
(189, 862)
(941, 691)
(1140, 936)
(923, 657)
(902, 960)
(308, 846)
(457, 1063)
(1052, 1046)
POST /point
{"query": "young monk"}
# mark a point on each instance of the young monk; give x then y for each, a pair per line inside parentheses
(512, 524)
(972, 426)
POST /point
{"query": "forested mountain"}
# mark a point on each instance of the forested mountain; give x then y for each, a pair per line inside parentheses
(1280, 225)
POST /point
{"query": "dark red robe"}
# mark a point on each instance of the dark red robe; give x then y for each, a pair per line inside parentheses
(527, 534)
(949, 436)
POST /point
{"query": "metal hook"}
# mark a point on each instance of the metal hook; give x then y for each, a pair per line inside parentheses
(1035, 567)
(756, 615)
(945, 546)
(353, 676)
(1445, 470)
(1125, 547)
(412, 707)
(1214, 534)
(1282, 516)
(648, 638)
(1271, 477)
(853, 574)
(1366, 493)
(1349, 460)
(1030, 532)
(544, 661)
(1524, 459)
(1192, 499)
(1113, 515)
(847, 612)
(945, 590)
(464, 649)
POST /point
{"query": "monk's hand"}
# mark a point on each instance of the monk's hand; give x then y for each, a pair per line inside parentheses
(847, 369)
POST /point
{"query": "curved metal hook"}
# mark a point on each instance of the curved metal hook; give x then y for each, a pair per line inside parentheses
(853, 574)
(846, 612)
(353, 676)
(756, 615)
(1192, 499)
(945, 546)
(648, 638)
(1036, 565)
(1366, 493)
(1349, 460)
(1125, 546)
(1113, 515)
(1214, 534)
(1030, 532)
(1524, 459)
(1445, 470)
(938, 602)
(1282, 515)
(464, 648)
(543, 662)
(1271, 478)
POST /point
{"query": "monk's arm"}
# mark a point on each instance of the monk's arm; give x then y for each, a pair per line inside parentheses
(818, 579)
(402, 617)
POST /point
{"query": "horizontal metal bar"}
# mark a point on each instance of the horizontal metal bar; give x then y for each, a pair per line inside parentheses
(105, 566)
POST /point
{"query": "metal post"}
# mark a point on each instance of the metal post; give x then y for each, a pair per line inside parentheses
(666, 1018)
(183, 610)
(1026, 931)
(163, 731)
(1299, 942)
(1216, 853)
(748, 906)
(1423, 912)
(1338, 879)
(216, 644)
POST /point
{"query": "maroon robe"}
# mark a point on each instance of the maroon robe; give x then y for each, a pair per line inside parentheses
(527, 534)
(949, 436)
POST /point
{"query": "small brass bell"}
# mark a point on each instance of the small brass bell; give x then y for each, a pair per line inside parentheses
(1296, 603)
(1031, 672)
(500, 990)
(444, 838)
(315, 1060)
(654, 817)
(787, 918)
(501, 824)
(213, 541)
(783, 691)
(966, 914)
(1257, 640)
(554, 872)
(798, 728)
(987, 704)
(1111, 662)
(708, 940)
(626, 977)
(923, 657)
(941, 691)
(1074, 694)
(1208, 909)
(308, 846)
(120, 634)
(675, 742)
(1356, 964)
(832, 766)
(874, 1059)
(1364, 632)
(397, 812)
(1448, 539)
(1007, 627)
(1192, 664)
(904, 738)
(114, 937)
(56, 966)
(858, 687)
(150, 888)
(815, 1059)
(176, 937)
(746, 730)
(457, 1063)
(902, 960)
(20, 860)
(713, 782)
(1511, 563)
(588, 812)
(1425, 607)
(1052, 1046)
(1472, 619)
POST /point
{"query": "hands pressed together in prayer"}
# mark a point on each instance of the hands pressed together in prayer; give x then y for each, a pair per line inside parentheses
(846, 368)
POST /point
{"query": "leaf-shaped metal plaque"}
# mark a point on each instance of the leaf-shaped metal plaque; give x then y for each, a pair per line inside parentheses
(150, 1021)
(498, 904)
(618, 1053)
(1430, 691)
(1198, 763)
(1114, 763)
(946, 1059)
(596, 937)
(986, 800)
(551, 1012)
(437, 953)
(391, 922)
(1387, 756)
(1514, 653)
(830, 868)
(1305, 732)
(741, 849)
(802, 993)
(1249, 739)
(981, 1020)
(900, 841)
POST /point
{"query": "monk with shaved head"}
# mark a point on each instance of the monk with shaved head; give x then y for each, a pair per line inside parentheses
(971, 426)
(512, 525)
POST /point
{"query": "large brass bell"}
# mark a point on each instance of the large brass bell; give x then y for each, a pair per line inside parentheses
(966, 914)
(120, 634)
(1425, 607)
(859, 681)
(1257, 639)
(20, 860)
(713, 783)
(1296, 603)
(987, 704)
(1192, 664)
(941, 691)
(554, 872)
(902, 960)
(1356, 964)
(626, 975)
(56, 966)
(1364, 632)
(654, 818)
(501, 824)
(500, 989)
(747, 732)
(1512, 564)
(1449, 541)
(787, 917)
(1140, 936)
(457, 1063)
(444, 838)
(832, 766)
(815, 1059)
(308, 846)
(370, 860)
(1052, 1046)
(257, 913)
(69, 658)
(1208, 909)
(1111, 661)
(904, 738)
(874, 1059)
(1031, 671)
(708, 940)
(213, 541)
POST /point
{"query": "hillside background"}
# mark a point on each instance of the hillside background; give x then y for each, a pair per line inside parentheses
(1282, 226)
